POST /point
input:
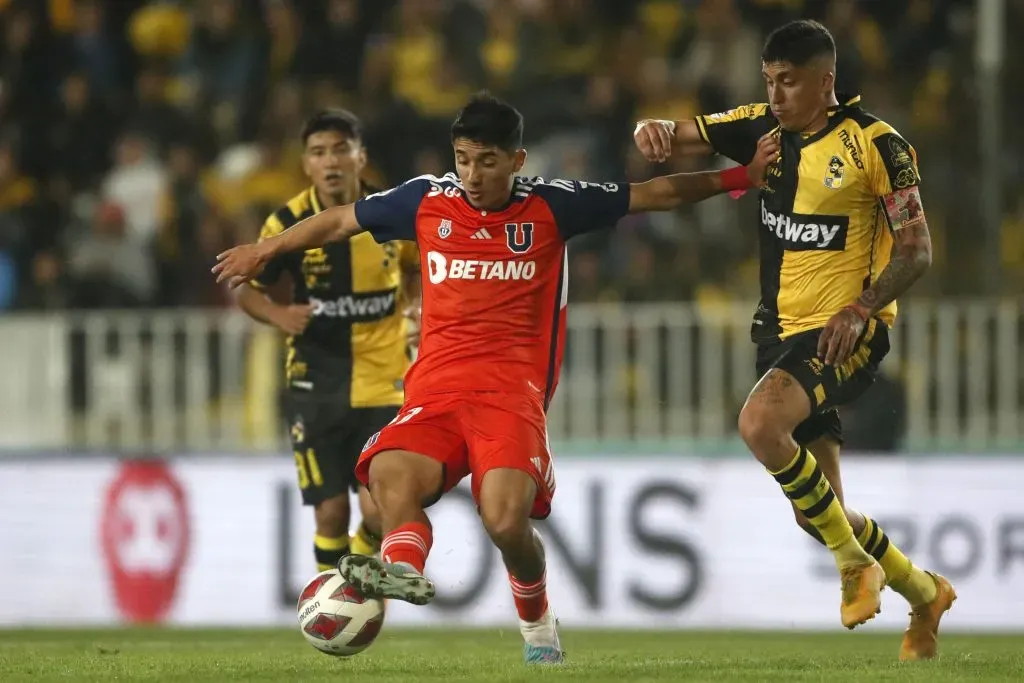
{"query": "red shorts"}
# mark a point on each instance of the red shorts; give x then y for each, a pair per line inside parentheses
(470, 434)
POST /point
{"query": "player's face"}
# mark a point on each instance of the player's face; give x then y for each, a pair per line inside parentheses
(333, 161)
(486, 172)
(797, 94)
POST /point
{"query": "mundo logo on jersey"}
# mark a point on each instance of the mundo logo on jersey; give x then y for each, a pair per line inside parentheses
(442, 269)
(806, 232)
(145, 538)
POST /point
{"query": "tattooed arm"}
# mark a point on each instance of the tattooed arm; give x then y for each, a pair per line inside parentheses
(911, 251)
(911, 257)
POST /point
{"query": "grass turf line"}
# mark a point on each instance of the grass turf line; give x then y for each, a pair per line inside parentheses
(196, 656)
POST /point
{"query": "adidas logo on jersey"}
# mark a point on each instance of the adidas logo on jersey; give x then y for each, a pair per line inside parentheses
(806, 232)
(480, 234)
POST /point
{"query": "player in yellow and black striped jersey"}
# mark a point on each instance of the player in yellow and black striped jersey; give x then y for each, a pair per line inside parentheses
(842, 233)
(347, 335)
(827, 237)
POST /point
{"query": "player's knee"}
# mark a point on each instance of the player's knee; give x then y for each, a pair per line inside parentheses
(760, 427)
(332, 516)
(507, 522)
(506, 497)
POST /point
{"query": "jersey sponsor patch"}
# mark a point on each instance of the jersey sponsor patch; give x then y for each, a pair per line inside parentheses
(442, 268)
(361, 307)
(806, 232)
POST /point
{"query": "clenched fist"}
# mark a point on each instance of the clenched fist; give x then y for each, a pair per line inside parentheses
(767, 153)
(654, 137)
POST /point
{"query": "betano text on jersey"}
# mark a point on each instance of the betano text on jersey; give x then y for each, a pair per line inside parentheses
(495, 289)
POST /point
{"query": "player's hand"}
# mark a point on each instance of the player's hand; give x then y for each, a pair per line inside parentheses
(767, 154)
(837, 340)
(654, 138)
(240, 264)
(293, 319)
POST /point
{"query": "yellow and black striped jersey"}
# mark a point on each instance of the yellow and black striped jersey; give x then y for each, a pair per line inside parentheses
(823, 231)
(355, 342)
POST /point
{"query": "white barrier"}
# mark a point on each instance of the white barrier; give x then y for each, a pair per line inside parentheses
(633, 542)
(204, 380)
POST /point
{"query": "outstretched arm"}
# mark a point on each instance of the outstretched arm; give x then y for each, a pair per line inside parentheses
(665, 193)
(242, 263)
(330, 225)
(668, 192)
(733, 134)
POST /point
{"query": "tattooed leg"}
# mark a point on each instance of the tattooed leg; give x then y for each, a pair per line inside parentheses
(772, 411)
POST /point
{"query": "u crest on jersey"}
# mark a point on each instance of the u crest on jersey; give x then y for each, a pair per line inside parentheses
(519, 237)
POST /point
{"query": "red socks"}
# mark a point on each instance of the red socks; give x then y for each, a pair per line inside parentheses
(409, 543)
(531, 598)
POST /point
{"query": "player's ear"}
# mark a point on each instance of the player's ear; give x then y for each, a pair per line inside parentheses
(828, 80)
(519, 160)
(305, 165)
(361, 158)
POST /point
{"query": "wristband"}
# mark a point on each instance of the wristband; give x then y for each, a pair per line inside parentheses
(735, 178)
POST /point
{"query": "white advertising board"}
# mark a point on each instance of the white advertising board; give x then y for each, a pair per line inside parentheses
(633, 542)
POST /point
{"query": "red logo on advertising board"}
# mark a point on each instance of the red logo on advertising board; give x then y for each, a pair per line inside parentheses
(145, 538)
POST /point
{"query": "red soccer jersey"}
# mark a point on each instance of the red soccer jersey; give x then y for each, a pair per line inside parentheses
(494, 282)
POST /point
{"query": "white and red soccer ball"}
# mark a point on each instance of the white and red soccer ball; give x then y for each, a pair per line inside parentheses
(335, 618)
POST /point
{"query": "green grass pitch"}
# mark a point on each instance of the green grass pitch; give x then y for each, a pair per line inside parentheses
(494, 656)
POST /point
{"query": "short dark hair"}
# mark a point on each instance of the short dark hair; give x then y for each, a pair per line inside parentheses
(489, 121)
(798, 42)
(340, 120)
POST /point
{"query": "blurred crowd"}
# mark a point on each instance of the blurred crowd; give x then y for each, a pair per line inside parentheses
(140, 138)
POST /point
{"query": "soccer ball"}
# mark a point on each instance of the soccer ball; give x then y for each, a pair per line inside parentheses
(335, 618)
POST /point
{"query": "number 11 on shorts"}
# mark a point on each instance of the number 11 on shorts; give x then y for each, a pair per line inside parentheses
(402, 418)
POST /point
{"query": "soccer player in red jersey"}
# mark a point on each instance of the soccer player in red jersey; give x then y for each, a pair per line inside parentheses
(493, 254)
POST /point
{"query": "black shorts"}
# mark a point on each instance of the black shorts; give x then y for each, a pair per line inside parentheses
(827, 387)
(327, 437)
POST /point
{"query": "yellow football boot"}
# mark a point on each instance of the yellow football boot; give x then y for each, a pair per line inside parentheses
(862, 593)
(920, 640)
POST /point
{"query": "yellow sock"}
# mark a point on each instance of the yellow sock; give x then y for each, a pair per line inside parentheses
(329, 550)
(901, 575)
(365, 542)
(803, 483)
